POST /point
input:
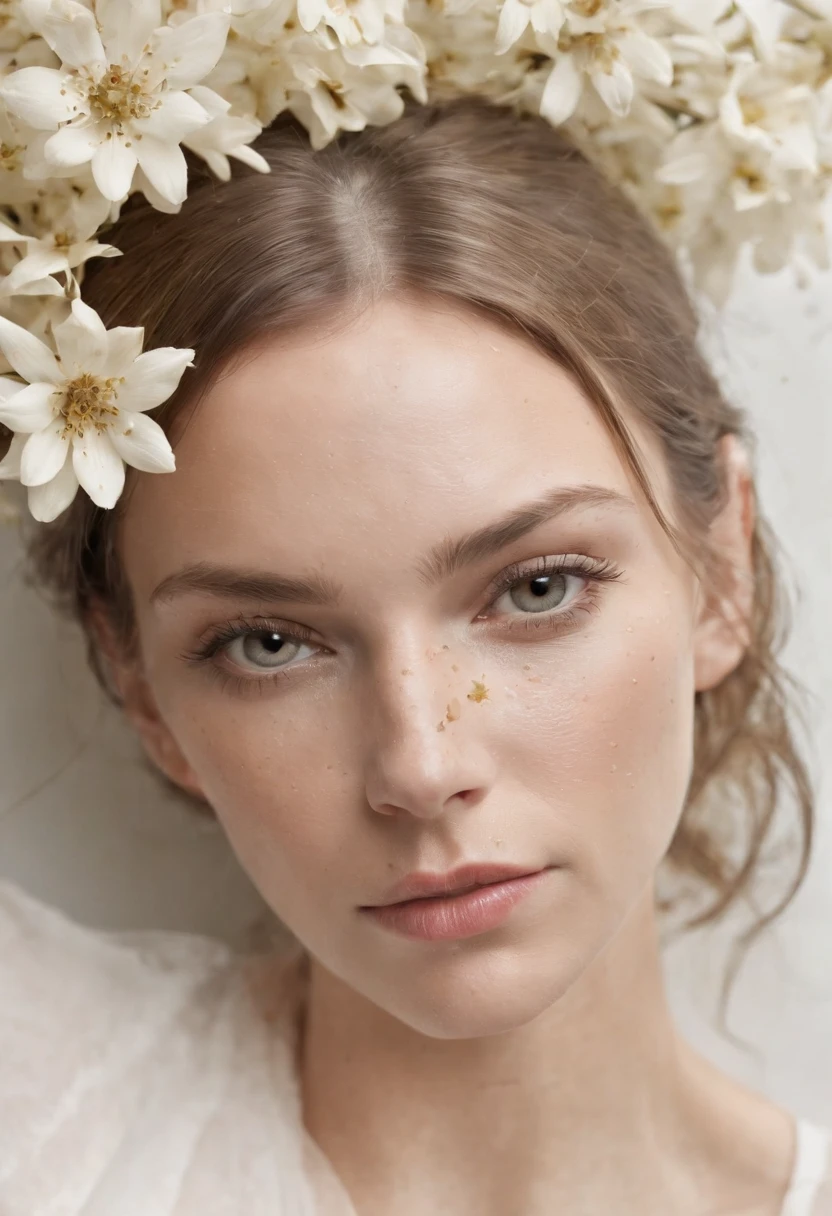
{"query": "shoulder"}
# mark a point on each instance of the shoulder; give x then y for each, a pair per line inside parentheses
(127, 1056)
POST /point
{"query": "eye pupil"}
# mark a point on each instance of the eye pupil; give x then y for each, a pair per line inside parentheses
(260, 647)
(549, 587)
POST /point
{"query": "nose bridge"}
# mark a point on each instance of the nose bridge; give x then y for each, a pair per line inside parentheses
(426, 741)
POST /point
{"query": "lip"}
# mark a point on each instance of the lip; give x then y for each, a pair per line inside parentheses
(447, 916)
(422, 884)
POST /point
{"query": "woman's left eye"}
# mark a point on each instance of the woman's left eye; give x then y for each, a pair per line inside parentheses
(551, 588)
(543, 592)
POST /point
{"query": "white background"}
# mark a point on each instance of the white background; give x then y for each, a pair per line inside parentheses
(85, 825)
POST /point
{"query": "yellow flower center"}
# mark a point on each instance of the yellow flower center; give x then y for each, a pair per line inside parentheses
(752, 111)
(753, 178)
(89, 402)
(119, 96)
(596, 47)
(10, 156)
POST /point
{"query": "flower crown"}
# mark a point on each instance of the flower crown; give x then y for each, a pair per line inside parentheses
(714, 116)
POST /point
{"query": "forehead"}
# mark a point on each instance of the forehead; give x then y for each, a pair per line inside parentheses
(414, 421)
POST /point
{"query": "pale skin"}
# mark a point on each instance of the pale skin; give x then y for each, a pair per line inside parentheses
(534, 1068)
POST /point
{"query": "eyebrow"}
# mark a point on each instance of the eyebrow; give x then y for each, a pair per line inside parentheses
(444, 560)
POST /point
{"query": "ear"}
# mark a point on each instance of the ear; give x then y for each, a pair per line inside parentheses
(723, 631)
(140, 707)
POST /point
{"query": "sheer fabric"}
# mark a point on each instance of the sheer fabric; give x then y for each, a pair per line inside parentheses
(153, 1074)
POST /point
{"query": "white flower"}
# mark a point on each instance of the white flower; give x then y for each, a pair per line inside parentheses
(81, 415)
(766, 113)
(353, 21)
(120, 98)
(345, 88)
(225, 135)
(602, 42)
(68, 245)
(544, 16)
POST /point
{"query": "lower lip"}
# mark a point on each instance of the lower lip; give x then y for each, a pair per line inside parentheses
(445, 917)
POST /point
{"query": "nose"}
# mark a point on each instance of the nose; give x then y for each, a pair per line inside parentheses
(427, 742)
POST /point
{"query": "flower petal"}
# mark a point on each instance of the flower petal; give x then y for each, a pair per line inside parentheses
(30, 358)
(684, 169)
(113, 166)
(514, 17)
(153, 378)
(615, 88)
(46, 502)
(32, 409)
(165, 167)
(186, 53)
(124, 345)
(44, 454)
(37, 287)
(81, 340)
(7, 233)
(71, 146)
(126, 28)
(143, 444)
(42, 97)
(98, 467)
(40, 262)
(177, 115)
(562, 91)
(646, 56)
(70, 30)
(10, 464)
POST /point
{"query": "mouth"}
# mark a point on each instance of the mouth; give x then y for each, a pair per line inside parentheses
(460, 911)
(423, 884)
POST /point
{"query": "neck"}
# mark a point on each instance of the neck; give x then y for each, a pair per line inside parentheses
(595, 1105)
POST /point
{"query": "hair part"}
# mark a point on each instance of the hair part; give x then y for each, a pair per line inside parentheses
(468, 201)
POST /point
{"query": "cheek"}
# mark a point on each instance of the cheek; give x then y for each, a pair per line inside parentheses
(605, 740)
(278, 781)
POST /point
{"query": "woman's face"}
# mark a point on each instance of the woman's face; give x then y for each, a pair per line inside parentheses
(368, 669)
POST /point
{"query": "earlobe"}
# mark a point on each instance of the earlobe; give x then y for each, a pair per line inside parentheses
(723, 630)
(140, 707)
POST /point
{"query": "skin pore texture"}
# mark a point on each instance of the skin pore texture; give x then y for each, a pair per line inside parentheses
(533, 1068)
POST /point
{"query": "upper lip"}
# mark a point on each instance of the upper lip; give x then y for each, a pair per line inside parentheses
(422, 884)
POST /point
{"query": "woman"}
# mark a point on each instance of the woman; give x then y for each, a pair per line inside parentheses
(458, 614)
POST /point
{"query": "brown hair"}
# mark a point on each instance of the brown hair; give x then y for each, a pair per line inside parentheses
(470, 201)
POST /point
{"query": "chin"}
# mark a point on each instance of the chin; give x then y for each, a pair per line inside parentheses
(478, 993)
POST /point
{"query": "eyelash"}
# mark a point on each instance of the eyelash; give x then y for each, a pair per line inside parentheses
(595, 570)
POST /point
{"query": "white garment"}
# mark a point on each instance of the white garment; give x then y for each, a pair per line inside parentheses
(153, 1074)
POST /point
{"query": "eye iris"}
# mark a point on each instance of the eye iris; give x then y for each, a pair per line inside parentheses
(264, 648)
(548, 590)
